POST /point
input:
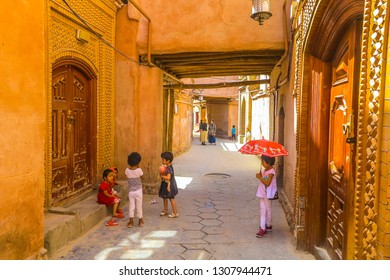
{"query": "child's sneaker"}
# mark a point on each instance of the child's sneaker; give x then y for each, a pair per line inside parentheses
(268, 228)
(261, 233)
(111, 223)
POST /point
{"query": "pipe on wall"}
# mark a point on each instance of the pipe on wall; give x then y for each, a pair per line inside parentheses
(149, 59)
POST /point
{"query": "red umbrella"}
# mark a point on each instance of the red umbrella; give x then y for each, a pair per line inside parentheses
(263, 147)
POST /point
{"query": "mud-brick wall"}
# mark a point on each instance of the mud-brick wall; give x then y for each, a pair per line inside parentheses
(23, 121)
(182, 124)
(138, 104)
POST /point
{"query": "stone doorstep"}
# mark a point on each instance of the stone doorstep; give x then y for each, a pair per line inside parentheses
(64, 224)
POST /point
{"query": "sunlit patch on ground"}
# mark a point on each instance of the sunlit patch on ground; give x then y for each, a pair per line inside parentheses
(136, 246)
(231, 147)
(183, 182)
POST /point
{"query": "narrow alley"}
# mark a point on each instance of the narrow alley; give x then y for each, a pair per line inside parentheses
(218, 217)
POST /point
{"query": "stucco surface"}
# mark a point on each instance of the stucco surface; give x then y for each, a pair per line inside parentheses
(23, 126)
(205, 25)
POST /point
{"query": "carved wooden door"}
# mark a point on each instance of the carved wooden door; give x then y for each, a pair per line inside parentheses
(341, 152)
(71, 120)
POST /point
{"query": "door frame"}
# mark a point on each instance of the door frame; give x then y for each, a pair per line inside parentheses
(92, 84)
(329, 24)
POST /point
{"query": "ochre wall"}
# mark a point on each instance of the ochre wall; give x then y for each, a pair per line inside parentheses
(127, 86)
(182, 124)
(179, 26)
(23, 126)
(217, 110)
(232, 117)
(138, 105)
(150, 132)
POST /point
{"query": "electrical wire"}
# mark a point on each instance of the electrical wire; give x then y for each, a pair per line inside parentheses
(97, 34)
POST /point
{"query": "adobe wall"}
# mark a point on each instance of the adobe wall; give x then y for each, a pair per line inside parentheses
(127, 87)
(183, 124)
(232, 117)
(23, 123)
(218, 110)
(139, 107)
(179, 26)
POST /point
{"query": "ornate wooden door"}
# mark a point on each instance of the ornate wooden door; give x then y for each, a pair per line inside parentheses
(341, 152)
(71, 120)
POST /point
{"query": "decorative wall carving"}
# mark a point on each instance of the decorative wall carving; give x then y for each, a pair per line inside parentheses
(304, 19)
(62, 25)
(368, 149)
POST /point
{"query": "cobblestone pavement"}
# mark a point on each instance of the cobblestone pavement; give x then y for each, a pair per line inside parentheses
(218, 217)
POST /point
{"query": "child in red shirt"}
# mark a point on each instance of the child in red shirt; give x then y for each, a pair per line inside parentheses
(106, 196)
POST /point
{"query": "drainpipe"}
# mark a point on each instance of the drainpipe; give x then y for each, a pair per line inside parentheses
(149, 59)
(275, 94)
(149, 27)
(285, 35)
(279, 64)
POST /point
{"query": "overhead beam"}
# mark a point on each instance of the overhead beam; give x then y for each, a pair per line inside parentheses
(219, 55)
(216, 85)
(221, 73)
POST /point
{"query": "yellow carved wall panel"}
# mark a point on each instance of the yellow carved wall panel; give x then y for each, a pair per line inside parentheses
(96, 18)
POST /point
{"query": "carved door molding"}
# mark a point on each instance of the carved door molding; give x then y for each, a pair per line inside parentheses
(73, 133)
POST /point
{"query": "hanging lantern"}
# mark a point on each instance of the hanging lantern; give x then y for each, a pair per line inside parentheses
(261, 10)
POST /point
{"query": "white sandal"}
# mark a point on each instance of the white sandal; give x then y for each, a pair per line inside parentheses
(163, 213)
(173, 215)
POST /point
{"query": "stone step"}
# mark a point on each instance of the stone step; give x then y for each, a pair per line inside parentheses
(64, 224)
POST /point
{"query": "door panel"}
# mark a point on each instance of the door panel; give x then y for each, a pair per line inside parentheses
(60, 146)
(81, 175)
(72, 133)
(341, 153)
(318, 120)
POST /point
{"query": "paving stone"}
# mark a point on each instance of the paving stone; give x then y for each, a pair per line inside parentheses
(208, 216)
(193, 226)
(229, 219)
(218, 219)
(217, 238)
(208, 210)
(225, 212)
(198, 246)
(223, 206)
(214, 230)
(192, 241)
(195, 234)
(192, 218)
(196, 255)
(210, 222)
(221, 202)
(215, 199)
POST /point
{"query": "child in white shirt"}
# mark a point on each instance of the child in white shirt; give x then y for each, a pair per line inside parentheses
(134, 176)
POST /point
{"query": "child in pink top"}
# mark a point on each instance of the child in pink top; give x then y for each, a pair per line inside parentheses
(266, 191)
